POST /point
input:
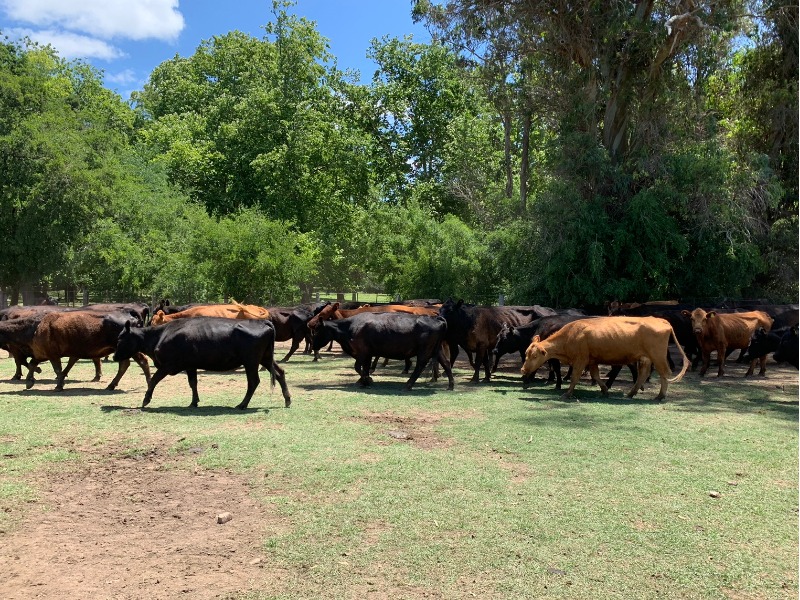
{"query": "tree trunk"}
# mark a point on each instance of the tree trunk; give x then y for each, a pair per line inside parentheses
(507, 153)
(524, 160)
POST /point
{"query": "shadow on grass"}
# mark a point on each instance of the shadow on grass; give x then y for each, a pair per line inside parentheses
(187, 411)
(379, 388)
(67, 392)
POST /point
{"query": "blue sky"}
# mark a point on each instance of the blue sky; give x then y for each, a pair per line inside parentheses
(127, 39)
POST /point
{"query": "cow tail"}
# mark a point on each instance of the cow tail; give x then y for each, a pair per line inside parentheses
(680, 375)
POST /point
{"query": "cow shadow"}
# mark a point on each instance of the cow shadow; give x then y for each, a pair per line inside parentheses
(378, 388)
(67, 392)
(187, 411)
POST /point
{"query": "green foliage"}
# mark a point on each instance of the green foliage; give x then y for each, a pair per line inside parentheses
(420, 257)
(61, 133)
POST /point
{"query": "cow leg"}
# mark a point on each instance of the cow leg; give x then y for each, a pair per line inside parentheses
(252, 383)
(407, 368)
(373, 364)
(422, 362)
(706, 362)
(157, 376)
(56, 362)
(33, 367)
(643, 366)
(123, 366)
(292, 350)
(141, 360)
(454, 353)
(721, 356)
(191, 375)
(496, 360)
(577, 371)
(662, 368)
(751, 368)
(612, 375)
(555, 365)
(280, 375)
(443, 360)
(595, 371)
(763, 370)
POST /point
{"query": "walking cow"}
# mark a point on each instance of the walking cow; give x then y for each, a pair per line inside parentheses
(608, 341)
(208, 343)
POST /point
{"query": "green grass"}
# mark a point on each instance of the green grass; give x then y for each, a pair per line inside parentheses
(502, 492)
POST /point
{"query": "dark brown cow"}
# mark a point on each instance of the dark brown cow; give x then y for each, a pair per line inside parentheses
(725, 332)
(79, 334)
(608, 341)
(330, 312)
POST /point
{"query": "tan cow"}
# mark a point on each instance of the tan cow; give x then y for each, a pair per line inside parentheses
(228, 311)
(725, 332)
(609, 341)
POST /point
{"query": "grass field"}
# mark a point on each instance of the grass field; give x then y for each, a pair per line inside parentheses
(488, 491)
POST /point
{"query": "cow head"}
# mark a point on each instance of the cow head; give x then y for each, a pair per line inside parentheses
(699, 319)
(535, 356)
(126, 344)
(324, 313)
(502, 340)
(158, 318)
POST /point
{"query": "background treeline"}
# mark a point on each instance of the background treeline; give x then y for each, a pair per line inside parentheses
(564, 153)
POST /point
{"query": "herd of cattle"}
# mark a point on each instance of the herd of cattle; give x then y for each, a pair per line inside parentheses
(223, 337)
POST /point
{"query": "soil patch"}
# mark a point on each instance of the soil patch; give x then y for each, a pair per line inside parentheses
(416, 429)
(140, 526)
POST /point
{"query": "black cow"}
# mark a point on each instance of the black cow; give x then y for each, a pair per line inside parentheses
(788, 348)
(391, 335)
(764, 342)
(290, 324)
(475, 329)
(208, 343)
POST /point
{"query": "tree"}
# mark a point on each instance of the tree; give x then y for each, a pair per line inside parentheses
(61, 133)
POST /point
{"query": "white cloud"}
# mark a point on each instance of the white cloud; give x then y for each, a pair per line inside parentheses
(69, 45)
(125, 77)
(129, 19)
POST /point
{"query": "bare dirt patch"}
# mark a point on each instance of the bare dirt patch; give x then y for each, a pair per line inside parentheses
(417, 429)
(140, 526)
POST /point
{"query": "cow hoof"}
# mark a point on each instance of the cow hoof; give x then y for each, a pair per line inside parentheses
(145, 402)
(660, 398)
(288, 403)
(96, 379)
(28, 384)
(111, 386)
(240, 406)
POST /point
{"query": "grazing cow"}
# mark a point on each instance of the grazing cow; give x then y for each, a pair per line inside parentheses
(788, 348)
(517, 339)
(391, 335)
(227, 311)
(207, 343)
(608, 341)
(475, 329)
(725, 332)
(76, 335)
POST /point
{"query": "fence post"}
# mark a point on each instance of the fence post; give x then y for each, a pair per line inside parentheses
(85, 296)
(3, 299)
(501, 301)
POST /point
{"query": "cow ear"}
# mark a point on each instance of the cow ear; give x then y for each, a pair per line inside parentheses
(127, 326)
(335, 306)
(711, 314)
(459, 303)
(686, 313)
(762, 331)
(536, 339)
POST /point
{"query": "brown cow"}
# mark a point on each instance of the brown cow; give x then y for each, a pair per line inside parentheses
(17, 351)
(725, 332)
(608, 341)
(79, 334)
(227, 311)
(332, 311)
